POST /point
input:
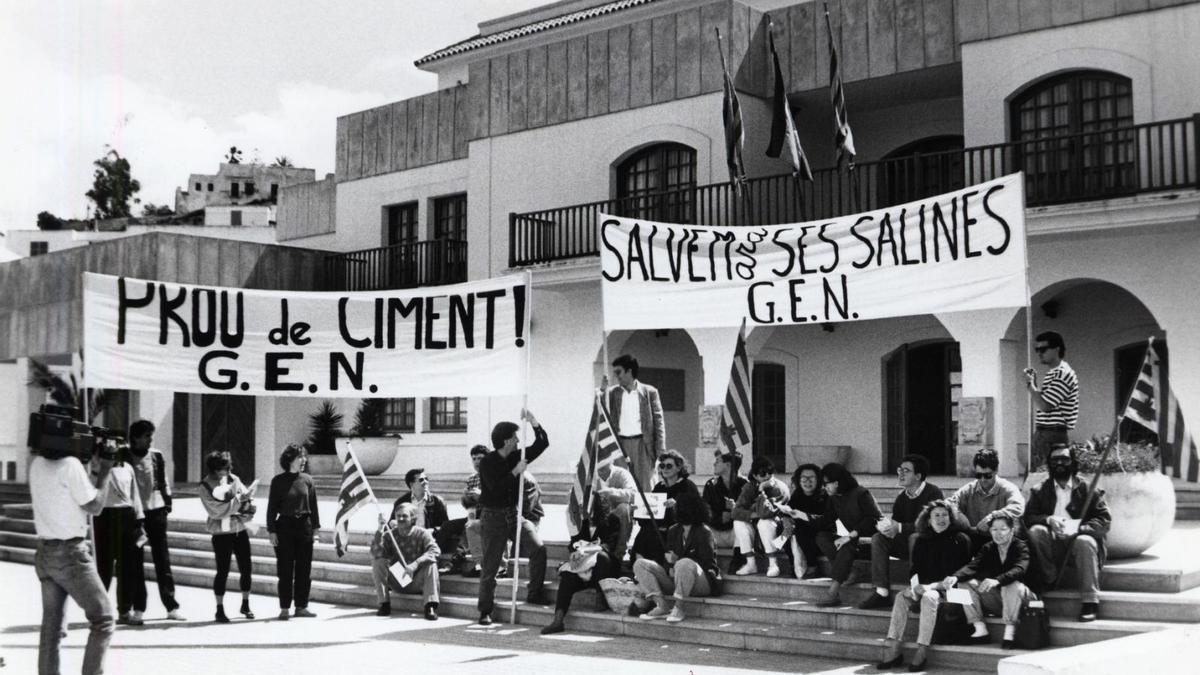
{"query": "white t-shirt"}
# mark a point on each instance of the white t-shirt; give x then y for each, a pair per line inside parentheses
(59, 488)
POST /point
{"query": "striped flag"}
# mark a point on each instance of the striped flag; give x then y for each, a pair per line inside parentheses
(737, 425)
(1143, 408)
(843, 137)
(783, 127)
(354, 495)
(1179, 457)
(600, 449)
(735, 135)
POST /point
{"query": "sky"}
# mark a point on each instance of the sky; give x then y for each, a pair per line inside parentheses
(172, 84)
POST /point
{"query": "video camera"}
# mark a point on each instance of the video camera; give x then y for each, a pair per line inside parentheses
(54, 433)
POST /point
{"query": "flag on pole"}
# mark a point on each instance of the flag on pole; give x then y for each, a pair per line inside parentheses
(737, 425)
(735, 135)
(783, 127)
(354, 495)
(843, 138)
(1143, 406)
(600, 449)
(1179, 457)
(1178, 445)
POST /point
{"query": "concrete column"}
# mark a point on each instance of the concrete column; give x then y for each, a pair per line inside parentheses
(716, 347)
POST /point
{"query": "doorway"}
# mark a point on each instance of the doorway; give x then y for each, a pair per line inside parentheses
(923, 385)
(768, 393)
(227, 423)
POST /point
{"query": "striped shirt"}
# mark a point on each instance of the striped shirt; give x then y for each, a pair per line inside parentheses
(1060, 391)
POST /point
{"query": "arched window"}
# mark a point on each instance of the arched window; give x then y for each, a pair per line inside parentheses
(1073, 137)
(921, 169)
(658, 183)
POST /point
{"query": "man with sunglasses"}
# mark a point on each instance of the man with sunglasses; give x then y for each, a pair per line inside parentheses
(1056, 401)
(987, 495)
(1059, 530)
(431, 513)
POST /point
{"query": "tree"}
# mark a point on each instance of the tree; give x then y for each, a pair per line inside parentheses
(324, 427)
(368, 418)
(234, 156)
(49, 221)
(68, 393)
(113, 186)
(152, 209)
(283, 162)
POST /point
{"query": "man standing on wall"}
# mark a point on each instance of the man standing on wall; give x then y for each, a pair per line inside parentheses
(637, 417)
(1056, 401)
(150, 470)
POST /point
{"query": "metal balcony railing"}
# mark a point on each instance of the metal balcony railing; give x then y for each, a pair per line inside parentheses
(423, 263)
(1058, 169)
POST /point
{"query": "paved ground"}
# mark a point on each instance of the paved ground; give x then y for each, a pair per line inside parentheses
(352, 639)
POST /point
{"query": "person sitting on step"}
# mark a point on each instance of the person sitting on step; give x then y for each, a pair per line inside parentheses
(757, 510)
(719, 493)
(418, 550)
(802, 520)
(987, 496)
(431, 513)
(855, 507)
(674, 481)
(939, 551)
(689, 565)
(995, 579)
(592, 558)
(894, 535)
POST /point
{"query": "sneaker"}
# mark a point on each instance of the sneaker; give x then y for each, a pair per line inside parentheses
(485, 620)
(123, 619)
(135, 618)
(303, 613)
(1088, 611)
(831, 600)
(385, 609)
(220, 616)
(284, 615)
(176, 615)
(676, 614)
(431, 611)
(658, 612)
(772, 568)
(876, 601)
(749, 568)
(245, 610)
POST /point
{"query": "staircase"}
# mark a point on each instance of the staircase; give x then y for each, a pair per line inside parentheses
(755, 613)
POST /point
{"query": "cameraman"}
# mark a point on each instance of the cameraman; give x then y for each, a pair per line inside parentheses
(62, 499)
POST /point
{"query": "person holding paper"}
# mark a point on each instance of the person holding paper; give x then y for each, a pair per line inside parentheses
(894, 534)
(802, 517)
(1059, 530)
(673, 471)
(229, 507)
(995, 579)
(689, 567)
(939, 551)
(499, 478)
(757, 511)
(852, 504)
(592, 558)
(411, 569)
(719, 493)
(293, 523)
(986, 497)
(636, 414)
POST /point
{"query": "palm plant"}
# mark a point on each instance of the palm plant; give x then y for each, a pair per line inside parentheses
(368, 418)
(324, 427)
(66, 392)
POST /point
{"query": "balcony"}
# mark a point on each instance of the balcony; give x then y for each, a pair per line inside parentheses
(410, 265)
(1081, 167)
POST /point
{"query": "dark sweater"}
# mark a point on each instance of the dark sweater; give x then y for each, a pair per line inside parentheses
(937, 556)
(497, 484)
(292, 495)
(716, 491)
(906, 509)
(856, 509)
(987, 564)
(681, 486)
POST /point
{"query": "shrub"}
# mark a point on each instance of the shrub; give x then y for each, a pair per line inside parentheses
(1123, 458)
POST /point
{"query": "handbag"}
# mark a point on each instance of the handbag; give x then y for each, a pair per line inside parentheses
(621, 593)
(1033, 626)
(951, 627)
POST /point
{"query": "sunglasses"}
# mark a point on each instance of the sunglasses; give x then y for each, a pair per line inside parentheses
(763, 473)
(984, 476)
(1060, 460)
(1042, 349)
(666, 465)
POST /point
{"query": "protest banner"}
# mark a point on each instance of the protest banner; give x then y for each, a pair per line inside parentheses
(463, 340)
(962, 250)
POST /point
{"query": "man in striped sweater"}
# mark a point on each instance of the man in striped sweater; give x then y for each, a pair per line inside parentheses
(1056, 401)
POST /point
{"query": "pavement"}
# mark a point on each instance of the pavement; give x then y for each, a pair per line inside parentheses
(354, 639)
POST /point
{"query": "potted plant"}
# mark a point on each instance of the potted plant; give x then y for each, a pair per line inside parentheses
(324, 428)
(1140, 497)
(375, 448)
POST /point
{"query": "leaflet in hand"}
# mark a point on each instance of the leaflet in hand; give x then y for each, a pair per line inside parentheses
(251, 488)
(657, 504)
(959, 596)
(400, 574)
(1071, 526)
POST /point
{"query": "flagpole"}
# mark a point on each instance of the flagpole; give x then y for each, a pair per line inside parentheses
(741, 196)
(636, 482)
(521, 448)
(371, 495)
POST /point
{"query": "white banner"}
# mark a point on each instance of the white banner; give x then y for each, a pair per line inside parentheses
(959, 251)
(463, 340)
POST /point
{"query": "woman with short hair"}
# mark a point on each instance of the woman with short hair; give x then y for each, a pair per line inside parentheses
(852, 504)
(293, 523)
(591, 559)
(802, 519)
(674, 482)
(691, 557)
(227, 503)
(995, 578)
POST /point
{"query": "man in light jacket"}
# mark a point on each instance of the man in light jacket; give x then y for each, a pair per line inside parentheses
(636, 413)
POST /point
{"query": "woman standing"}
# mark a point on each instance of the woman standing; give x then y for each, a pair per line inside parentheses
(673, 472)
(228, 505)
(852, 504)
(119, 540)
(938, 552)
(293, 523)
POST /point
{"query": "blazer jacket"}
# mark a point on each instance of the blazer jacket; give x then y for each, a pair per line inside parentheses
(1043, 499)
(987, 564)
(654, 434)
(699, 547)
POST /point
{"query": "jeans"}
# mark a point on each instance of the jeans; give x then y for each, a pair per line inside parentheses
(1048, 549)
(841, 558)
(1003, 600)
(65, 568)
(293, 557)
(900, 607)
(424, 581)
(156, 532)
(224, 546)
(495, 527)
(689, 580)
(116, 542)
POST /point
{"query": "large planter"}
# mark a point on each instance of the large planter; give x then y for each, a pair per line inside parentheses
(1142, 505)
(819, 455)
(375, 454)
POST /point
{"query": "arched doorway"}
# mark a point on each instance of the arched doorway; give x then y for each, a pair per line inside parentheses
(922, 385)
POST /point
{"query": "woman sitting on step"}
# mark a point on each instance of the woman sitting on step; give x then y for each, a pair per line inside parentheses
(802, 519)
(938, 552)
(592, 559)
(229, 508)
(757, 512)
(852, 504)
(689, 567)
(673, 471)
(995, 579)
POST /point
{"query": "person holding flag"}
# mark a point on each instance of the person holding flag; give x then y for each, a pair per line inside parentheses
(401, 542)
